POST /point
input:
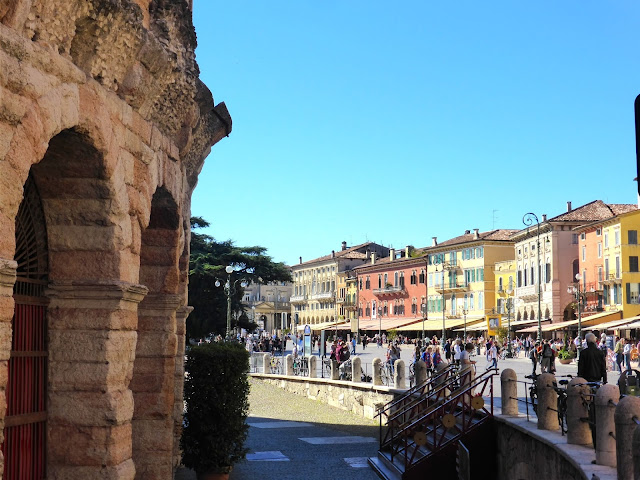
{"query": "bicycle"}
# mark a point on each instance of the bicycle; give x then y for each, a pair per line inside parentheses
(275, 365)
(300, 366)
(591, 407)
(533, 392)
(562, 404)
(412, 374)
(386, 373)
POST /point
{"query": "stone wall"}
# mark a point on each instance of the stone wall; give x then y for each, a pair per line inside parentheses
(360, 398)
(102, 110)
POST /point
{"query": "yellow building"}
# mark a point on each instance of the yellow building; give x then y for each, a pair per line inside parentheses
(461, 278)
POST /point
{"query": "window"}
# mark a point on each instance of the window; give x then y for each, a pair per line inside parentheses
(633, 264)
(599, 249)
(480, 301)
(430, 279)
(574, 238)
(582, 236)
(402, 282)
(414, 278)
(525, 278)
(616, 237)
(386, 279)
(396, 279)
(633, 293)
(519, 278)
(617, 267)
(367, 284)
(584, 253)
(633, 237)
(500, 289)
(606, 268)
(421, 279)
(379, 280)
(606, 239)
(367, 311)
(598, 232)
(471, 307)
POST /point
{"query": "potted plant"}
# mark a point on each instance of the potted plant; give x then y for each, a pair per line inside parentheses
(216, 396)
(565, 356)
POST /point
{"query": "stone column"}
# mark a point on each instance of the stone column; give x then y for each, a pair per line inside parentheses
(313, 366)
(547, 403)
(153, 386)
(356, 369)
(335, 371)
(92, 345)
(399, 376)
(266, 363)
(288, 365)
(606, 397)
(376, 365)
(178, 404)
(420, 372)
(627, 413)
(509, 391)
(578, 431)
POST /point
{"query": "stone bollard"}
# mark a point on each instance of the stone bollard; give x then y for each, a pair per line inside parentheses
(266, 363)
(626, 414)
(356, 369)
(313, 373)
(578, 431)
(547, 402)
(399, 375)
(509, 390)
(420, 372)
(376, 365)
(288, 365)
(335, 370)
(636, 453)
(605, 424)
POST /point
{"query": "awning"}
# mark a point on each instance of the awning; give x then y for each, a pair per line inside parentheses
(322, 326)
(435, 325)
(616, 324)
(589, 321)
(384, 324)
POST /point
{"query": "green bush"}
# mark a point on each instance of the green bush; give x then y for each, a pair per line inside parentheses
(216, 393)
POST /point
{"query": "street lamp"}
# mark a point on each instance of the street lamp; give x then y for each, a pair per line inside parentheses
(528, 221)
(509, 305)
(229, 289)
(580, 296)
(464, 313)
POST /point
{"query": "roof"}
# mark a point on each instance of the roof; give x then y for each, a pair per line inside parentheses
(500, 234)
(350, 253)
(419, 257)
(593, 211)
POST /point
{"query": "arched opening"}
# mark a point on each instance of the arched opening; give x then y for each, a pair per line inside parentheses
(24, 446)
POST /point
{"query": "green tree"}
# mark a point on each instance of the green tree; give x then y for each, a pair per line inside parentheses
(208, 261)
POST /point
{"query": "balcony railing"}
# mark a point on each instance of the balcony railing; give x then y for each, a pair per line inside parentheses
(458, 287)
(389, 290)
(323, 296)
(297, 298)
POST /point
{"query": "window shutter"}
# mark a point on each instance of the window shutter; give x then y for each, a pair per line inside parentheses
(628, 292)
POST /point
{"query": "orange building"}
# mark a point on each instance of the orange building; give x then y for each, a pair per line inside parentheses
(391, 291)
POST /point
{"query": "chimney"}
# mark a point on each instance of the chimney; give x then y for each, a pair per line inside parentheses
(300, 260)
(373, 258)
(434, 241)
(333, 254)
(544, 217)
(367, 254)
(568, 206)
(344, 245)
(392, 254)
(407, 251)
(467, 232)
(476, 234)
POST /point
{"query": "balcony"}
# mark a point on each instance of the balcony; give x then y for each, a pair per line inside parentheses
(340, 299)
(323, 297)
(389, 290)
(350, 305)
(298, 298)
(611, 279)
(450, 288)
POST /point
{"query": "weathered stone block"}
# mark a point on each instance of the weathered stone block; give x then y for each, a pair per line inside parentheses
(91, 409)
(91, 446)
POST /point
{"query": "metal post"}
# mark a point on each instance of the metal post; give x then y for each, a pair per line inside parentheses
(509, 326)
(444, 303)
(227, 287)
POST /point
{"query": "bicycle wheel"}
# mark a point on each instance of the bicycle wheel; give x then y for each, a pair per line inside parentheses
(591, 411)
(533, 395)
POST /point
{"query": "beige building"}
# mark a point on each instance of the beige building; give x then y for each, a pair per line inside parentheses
(314, 300)
(269, 306)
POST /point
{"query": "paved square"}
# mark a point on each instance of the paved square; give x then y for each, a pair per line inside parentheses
(357, 462)
(267, 457)
(282, 424)
(338, 440)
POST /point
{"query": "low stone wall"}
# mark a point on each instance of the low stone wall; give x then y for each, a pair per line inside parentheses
(360, 398)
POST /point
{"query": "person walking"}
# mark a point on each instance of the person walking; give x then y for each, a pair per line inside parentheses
(492, 356)
(618, 350)
(533, 356)
(547, 356)
(353, 345)
(626, 352)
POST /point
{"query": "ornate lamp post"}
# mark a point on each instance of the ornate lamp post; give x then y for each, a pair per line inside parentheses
(580, 296)
(509, 306)
(229, 289)
(528, 221)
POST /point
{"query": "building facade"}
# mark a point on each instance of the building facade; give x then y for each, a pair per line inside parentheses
(104, 128)
(313, 301)
(269, 306)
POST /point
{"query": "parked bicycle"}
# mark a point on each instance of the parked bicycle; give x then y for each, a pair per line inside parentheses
(301, 366)
(275, 365)
(588, 401)
(386, 373)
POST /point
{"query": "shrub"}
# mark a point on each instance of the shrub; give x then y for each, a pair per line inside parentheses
(216, 393)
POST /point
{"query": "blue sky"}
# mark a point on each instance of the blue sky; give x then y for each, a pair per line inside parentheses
(395, 122)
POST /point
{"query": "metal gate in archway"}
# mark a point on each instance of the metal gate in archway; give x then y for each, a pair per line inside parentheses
(24, 446)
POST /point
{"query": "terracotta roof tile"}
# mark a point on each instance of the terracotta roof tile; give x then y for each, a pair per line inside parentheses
(593, 211)
(499, 235)
(349, 253)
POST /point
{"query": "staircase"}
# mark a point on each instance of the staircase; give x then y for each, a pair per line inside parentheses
(430, 419)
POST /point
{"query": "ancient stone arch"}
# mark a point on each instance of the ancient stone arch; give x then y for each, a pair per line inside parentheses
(104, 126)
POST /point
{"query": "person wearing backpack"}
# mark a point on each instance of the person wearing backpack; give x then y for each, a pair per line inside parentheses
(533, 356)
